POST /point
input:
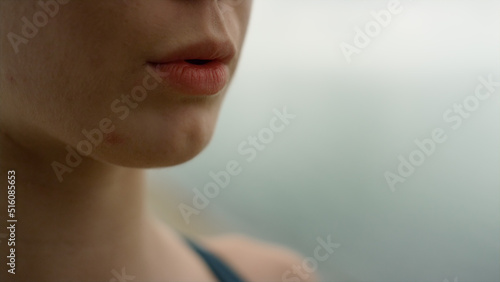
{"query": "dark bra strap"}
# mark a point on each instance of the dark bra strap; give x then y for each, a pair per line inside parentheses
(221, 270)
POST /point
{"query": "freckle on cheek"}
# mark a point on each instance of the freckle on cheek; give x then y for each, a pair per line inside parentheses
(113, 139)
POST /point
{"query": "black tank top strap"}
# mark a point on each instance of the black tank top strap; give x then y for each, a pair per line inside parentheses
(220, 269)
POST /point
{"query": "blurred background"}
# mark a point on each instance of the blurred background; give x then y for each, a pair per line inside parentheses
(324, 174)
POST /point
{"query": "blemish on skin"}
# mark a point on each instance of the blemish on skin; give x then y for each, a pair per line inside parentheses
(113, 138)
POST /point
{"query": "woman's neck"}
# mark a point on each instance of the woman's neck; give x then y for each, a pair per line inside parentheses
(90, 225)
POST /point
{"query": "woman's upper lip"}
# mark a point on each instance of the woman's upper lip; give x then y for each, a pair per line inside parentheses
(209, 50)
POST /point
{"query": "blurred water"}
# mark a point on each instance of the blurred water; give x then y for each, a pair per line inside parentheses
(324, 174)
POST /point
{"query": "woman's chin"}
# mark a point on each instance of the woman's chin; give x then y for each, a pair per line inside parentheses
(150, 155)
(150, 138)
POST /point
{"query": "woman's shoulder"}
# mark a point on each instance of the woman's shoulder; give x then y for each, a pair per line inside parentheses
(255, 260)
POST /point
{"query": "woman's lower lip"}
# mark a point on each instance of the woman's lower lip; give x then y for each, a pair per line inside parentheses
(192, 79)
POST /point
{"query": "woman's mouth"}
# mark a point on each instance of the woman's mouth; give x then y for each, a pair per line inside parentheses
(194, 77)
(200, 69)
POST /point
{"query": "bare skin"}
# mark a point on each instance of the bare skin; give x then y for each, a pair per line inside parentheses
(91, 222)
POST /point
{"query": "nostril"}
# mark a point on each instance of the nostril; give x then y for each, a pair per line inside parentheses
(198, 62)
